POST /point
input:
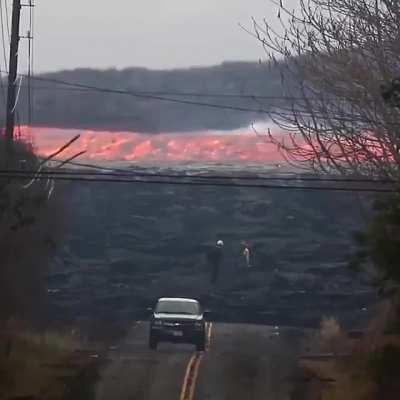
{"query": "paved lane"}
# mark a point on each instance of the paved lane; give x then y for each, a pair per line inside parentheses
(137, 373)
(243, 362)
(247, 362)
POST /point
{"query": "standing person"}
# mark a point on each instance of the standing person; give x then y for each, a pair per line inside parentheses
(215, 257)
(246, 254)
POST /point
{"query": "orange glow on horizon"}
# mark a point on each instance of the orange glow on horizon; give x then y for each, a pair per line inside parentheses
(236, 146)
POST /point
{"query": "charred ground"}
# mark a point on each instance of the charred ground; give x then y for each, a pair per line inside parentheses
(127, 244)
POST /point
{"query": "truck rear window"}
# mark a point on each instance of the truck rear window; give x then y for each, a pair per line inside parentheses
(178, 307)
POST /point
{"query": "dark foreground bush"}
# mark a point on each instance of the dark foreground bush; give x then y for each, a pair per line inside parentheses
(385, 365)
(30, 221)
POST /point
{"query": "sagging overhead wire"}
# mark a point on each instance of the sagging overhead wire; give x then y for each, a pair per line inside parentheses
(209, 180)
(178, 94)
(36, 175)
(7, 16)
(191, 182)
(284, 177)
(151, 96)
(147, 96)
(3, 36)
(17, 96)
(127, 173)
(30, 61)
(67, 85)
(3, 41)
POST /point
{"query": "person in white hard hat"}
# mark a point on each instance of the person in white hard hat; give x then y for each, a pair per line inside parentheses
(215, 257)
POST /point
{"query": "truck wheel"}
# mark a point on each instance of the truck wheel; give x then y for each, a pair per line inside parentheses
(153, 343)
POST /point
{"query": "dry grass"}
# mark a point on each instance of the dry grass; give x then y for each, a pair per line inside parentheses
(340, 380)
(349, 378)
(30, 225)
(335, 378)
(38, 365)
(331, 336)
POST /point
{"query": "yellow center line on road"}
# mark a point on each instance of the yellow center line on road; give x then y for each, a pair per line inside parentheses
(192, 370)
(185, 386)
(195, 375)
(208, 344)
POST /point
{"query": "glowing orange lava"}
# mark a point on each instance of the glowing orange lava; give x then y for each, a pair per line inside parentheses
(207, 146)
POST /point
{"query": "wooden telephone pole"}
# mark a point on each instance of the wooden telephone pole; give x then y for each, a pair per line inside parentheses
(13, 73)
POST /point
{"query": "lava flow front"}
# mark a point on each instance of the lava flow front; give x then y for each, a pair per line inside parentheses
(243, 145)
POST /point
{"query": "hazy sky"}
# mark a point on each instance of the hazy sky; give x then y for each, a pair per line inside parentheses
(148, 33)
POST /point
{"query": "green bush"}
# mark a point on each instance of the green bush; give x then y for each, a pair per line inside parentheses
(379, 244)
(385, 365)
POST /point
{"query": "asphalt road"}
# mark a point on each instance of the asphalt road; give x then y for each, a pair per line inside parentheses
(241, 362)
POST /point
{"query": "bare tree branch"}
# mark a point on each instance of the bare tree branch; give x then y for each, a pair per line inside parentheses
(335, 55)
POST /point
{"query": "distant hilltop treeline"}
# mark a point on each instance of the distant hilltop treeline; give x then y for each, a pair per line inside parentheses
(71, 107)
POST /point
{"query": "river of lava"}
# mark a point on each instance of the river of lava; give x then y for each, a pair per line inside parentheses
(243, 145)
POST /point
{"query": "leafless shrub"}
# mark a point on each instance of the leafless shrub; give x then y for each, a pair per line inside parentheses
(330, 328)
(331, 335)
(33, 367)
(30, 223)
(335, 56)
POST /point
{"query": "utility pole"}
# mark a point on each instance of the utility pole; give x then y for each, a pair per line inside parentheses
(13, 74)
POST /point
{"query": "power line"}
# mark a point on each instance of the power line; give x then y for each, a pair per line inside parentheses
(154, 95)
(30, 57)
(3, 91)
(17, 96)
(13, 70)
(130, 173)
(193, 183)
(255, 97)
(2, 87)
(87, 87)
(3, 39)
(71, 178)
(148, 96)
(145, 95)
(298, 177)
(181, 94)
(7, 21)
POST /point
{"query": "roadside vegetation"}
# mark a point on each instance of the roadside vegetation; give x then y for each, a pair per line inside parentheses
(37, 365)
(31, 221)
(379, 246)
(341, 71)
(36, 361)
(339, 64)
(353, 364)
